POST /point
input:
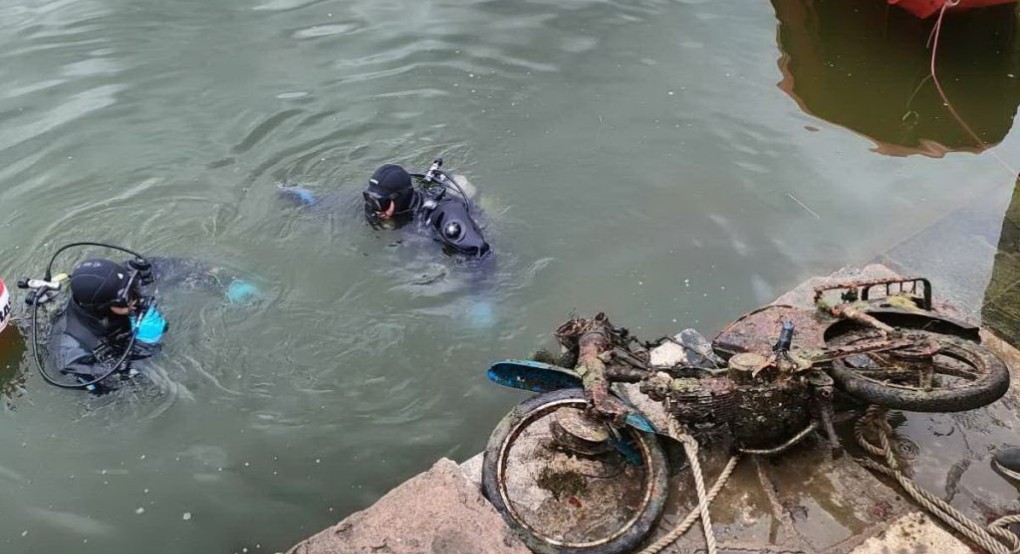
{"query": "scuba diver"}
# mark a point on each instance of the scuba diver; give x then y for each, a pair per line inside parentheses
(111, 318)
(107, 323)
(439, 205)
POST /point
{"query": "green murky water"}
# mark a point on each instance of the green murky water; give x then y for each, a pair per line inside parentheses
(636, 157)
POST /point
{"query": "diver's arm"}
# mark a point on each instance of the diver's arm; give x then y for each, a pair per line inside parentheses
(189, 274)
(298, 196)
(83, 366)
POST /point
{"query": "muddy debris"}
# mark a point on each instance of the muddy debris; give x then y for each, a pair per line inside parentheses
(562, 484)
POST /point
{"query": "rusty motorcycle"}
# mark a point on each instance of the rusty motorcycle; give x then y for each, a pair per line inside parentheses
(580, 469)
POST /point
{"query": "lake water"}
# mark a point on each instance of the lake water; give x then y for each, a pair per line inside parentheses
(674, 163)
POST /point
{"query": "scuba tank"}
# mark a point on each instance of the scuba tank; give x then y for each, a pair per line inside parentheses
(448, 217)
(450, 223)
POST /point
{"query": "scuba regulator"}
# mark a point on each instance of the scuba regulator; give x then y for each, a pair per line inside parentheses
(146, 323)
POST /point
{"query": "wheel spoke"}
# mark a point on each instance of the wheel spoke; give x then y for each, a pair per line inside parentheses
(885, 374)
(943, 369)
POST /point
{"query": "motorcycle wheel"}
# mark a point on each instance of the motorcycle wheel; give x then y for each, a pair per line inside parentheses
(964, 375)
(559, 501)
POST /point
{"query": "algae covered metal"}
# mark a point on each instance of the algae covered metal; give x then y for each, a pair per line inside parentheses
(579, 469)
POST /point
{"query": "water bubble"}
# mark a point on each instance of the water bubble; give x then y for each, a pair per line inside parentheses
(140, 510)
(186, 516)
(24, 533)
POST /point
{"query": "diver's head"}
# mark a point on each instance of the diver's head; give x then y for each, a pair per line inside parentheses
(102, 287)
(389, 192)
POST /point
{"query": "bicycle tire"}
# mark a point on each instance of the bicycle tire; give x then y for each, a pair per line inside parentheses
(624, 540)
(990, 384)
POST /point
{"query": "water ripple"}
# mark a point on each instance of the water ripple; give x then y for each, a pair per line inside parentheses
(79, 105)
(286, 5)
(327, 30)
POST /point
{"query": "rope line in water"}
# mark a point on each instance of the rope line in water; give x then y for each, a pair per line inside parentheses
(934, 42)
(994, 538)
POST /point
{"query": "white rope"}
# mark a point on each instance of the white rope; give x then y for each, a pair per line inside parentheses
(995, 538)
(704, 500)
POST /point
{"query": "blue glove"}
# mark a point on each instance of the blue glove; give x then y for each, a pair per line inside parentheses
(150, 328)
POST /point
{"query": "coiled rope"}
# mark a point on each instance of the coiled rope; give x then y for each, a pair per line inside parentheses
(994, 538)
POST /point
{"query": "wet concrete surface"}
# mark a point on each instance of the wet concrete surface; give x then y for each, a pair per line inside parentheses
(804, 501)
(439, 511)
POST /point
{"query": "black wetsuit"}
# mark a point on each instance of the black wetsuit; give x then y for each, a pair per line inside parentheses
(447, 219)
(84, 346)
(443, 216)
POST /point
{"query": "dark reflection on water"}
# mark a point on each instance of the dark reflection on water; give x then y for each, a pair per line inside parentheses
(1001, 310)
(865, 65)
(12, 357)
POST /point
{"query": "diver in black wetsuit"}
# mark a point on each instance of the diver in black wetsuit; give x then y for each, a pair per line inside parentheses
(111, 318)
(107, 318)
(439, 206)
